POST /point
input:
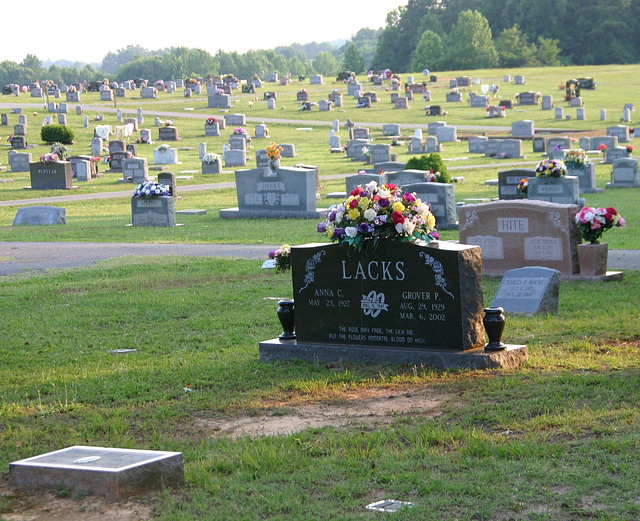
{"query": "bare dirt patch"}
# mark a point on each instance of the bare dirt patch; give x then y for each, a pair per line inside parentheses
(369, 408)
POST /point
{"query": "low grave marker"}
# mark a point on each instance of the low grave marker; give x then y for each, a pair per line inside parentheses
(530, 290)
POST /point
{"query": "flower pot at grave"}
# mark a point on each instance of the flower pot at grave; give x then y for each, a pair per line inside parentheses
(212, 168)
(593, 259)
(274, 164)
(153, 211)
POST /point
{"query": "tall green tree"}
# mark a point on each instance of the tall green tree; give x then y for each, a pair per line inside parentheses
(470, 44)
(514, 48)
(429, 52)
(353, 60)
(325, 63)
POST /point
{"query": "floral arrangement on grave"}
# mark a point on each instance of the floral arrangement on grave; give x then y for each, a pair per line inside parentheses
(302, 91)
(593, 222)
(602, 148)
(375, 212)
(629, 149)
(49, 157)
(282, 256)
(211, 120)
(551, 168)
(144, 140)
(163, 147)
(575, 158)
(61, 150)
(239, 131)
(273, 151)
(523, 185)
(95, 159)
(149, 189)
(10, 139)
(210, 158)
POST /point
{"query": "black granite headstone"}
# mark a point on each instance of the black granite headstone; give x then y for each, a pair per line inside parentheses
(396, 294)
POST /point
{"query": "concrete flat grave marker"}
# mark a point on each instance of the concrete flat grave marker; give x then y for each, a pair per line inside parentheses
(113, 473)
(37, 215)
(529, 290)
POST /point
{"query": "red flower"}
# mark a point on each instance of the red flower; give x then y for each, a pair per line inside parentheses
(353, 203)
(356, 191)
(397, 217)
(390, 187)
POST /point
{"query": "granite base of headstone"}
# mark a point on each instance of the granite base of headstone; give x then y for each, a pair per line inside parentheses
(40, 215)
(115, 474)
(288, 192)
(530, 290)
(397, 303)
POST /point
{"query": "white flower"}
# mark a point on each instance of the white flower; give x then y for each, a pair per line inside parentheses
(408, 226)
(400, 228)
(339, 217)
(370, 214)
(351, 231)
(383, 194)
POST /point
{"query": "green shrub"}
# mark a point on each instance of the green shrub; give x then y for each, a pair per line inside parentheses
(430, 162)
(57, 134)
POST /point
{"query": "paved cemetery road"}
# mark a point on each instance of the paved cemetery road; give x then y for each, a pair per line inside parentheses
(22, 257)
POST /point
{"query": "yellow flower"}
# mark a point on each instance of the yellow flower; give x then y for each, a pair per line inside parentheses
(398, 207)
(354, 213)
(431, 220)
(330, 230)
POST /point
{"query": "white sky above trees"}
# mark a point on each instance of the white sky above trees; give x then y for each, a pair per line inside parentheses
(87, 30)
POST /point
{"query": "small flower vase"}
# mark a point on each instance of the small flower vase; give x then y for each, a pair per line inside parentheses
(287, 319)
(274, 164)
(593, 259)
(494, 322)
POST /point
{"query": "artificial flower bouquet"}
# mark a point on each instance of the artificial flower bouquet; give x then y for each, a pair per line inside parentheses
(282, 256)
(575, 158)
(593, 222)
(149, 189)
(551, 168)
(379, 212)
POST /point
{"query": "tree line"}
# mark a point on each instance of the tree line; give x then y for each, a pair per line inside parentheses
(474, 34)
(423, 34)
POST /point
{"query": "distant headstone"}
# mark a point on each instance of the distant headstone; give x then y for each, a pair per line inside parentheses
(523, 128)
(57, 175)
(625, 173)
(169, 133)
(441, 198)
(40, 215)
(135, 170)
(168, 156)
(530, 290)
(508, 181)
(289, 192)
(19, 161)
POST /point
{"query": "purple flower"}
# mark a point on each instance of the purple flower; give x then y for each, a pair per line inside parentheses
(332, 216)
(272, 254)
(322, 227)
(365, 228)
(383, 203)
(380, 220)
(338, 232)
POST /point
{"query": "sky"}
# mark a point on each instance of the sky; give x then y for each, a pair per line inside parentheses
(86, 31)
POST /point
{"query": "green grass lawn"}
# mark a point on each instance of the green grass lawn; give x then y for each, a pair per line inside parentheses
(555, 439)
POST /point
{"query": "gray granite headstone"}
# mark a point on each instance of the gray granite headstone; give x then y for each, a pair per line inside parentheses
(441, 199)
(38, 215)
(113, 473)
(529, 290)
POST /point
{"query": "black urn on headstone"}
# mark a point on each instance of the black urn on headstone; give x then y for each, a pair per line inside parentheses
(287, 319)
(494, 322)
